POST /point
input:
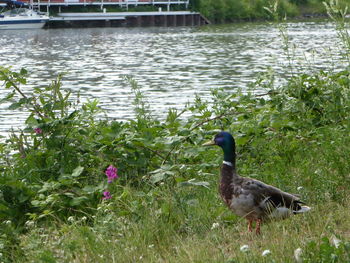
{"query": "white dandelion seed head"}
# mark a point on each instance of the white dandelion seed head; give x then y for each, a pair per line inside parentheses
(244, 248)
(266, 252)
(215, 225)
(336, 241)
(297, 255)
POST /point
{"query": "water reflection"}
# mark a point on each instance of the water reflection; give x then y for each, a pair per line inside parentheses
(170, 64)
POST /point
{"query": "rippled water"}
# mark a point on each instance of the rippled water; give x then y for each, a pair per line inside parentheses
(171, 65)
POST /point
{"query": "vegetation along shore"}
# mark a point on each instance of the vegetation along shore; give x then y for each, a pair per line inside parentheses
(78, 187)
(241, 10)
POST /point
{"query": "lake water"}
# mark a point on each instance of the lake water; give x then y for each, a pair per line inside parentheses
(171, 65)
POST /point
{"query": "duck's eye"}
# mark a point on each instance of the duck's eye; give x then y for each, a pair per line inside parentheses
(219, 140)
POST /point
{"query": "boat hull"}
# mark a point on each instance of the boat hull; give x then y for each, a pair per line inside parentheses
(23, 24)
(22, 18)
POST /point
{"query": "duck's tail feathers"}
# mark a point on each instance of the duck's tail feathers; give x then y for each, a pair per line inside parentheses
(303, 209)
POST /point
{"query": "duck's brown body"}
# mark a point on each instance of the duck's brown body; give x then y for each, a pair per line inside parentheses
(255, 200)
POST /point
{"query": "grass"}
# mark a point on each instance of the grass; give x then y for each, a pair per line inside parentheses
(154, 241)
(166, 224)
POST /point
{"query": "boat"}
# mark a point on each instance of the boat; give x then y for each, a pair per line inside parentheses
(21, 16)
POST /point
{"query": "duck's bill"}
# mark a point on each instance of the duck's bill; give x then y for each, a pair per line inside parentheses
(210, 143)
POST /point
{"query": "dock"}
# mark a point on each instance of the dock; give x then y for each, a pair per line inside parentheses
(127, 19)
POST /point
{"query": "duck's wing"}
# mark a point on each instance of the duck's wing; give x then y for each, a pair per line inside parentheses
(269, 198)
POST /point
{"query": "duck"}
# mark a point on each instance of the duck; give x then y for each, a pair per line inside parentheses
(249, 198)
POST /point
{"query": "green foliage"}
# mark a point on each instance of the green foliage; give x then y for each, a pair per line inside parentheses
(233, 10)
(58, 171)
(45, 174)
(327, 252)
(236, 10)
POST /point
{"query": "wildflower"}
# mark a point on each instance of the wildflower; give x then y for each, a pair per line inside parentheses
(111, 173)
(70, 219)
(300, 188)
(266, 252)
(297, 255)
(215, 225)
(84, 218)
(38, 131)
(29, 223)
(336, 242)
(106, 195)
(244, 248)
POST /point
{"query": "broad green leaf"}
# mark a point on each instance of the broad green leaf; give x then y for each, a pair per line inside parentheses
(78, 200)
(77, 171)
(15, 106)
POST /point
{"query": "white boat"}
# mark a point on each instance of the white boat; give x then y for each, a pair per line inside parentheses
(19, 17)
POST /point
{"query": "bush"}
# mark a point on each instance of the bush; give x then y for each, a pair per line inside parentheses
(58, 166)
(233, 10)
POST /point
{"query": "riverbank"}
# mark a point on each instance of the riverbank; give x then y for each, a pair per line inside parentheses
(232, 11)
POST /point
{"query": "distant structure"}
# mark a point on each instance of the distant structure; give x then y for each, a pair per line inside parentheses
(163, 13)
(101, 3)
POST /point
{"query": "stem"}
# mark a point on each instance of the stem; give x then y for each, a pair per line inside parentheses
(35, 106)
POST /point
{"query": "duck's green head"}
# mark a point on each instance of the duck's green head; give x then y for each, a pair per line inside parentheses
(227, 143)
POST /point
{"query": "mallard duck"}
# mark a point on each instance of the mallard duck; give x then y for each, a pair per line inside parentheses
(250, 198)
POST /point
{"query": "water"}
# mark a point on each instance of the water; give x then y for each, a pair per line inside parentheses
(171, 65)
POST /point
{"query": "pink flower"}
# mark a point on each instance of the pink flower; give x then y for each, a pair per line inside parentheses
(106, 195)
(38, 131)
(111, 173)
